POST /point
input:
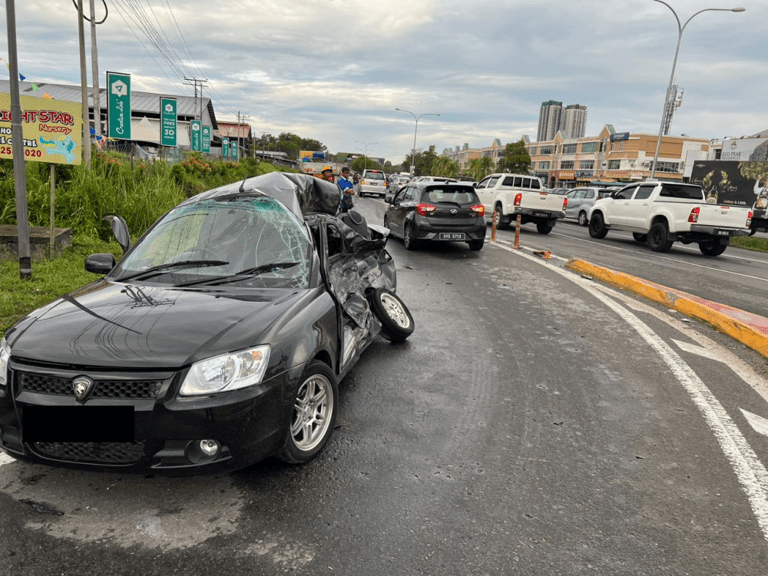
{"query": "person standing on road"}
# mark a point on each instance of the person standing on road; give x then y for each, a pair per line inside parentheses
(347, 189)
(327, 174)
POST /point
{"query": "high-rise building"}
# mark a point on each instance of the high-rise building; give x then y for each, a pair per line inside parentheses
(549, 119)
(571, 120)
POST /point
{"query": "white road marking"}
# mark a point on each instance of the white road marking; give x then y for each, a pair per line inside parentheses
(749, 471)
(5, 459)
(719, 270)
(759, 423)
(698, 350)
(743, 370)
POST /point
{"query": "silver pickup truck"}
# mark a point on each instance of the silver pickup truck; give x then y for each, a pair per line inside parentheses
(507, 195)
(661, 213)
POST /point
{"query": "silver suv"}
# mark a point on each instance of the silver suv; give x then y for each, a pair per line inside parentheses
(373, 182)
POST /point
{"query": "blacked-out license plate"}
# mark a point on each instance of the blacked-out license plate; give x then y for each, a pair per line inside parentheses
(452, 236)
(78, 423)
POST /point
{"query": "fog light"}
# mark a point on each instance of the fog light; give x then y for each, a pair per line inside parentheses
(209, 447)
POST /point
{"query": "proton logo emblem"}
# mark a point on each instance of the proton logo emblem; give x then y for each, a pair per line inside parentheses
(454, 211)
(82, 386)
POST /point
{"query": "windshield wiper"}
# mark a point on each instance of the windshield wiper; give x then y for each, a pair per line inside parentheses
(248, 272)
(155, 270)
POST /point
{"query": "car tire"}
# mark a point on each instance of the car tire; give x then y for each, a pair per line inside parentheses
(543, 228)
(597, 227)
(409, 240)
(396, 320)
(313, 415)
(712, 247)
(583, 219)
(500, 221)
(476, 244)
(657, 238)
(642, 238)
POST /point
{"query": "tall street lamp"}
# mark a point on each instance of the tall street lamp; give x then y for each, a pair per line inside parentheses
(415, 131)
(365, 153)
(680, 30)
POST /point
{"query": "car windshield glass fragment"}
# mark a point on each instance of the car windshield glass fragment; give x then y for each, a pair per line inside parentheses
(240, 239)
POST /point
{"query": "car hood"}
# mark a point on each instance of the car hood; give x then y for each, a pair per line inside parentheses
(106, 324)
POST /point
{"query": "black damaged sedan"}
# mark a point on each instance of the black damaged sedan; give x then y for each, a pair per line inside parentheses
(217, 340)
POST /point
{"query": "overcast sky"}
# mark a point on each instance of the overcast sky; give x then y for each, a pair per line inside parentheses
(335, 70)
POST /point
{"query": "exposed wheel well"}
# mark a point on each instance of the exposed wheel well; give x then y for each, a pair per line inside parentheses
(325, 358)
(662, 219)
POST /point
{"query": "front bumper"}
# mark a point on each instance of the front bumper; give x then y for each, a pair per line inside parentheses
(247, 425)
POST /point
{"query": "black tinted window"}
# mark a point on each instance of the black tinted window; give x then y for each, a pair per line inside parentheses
(458, 195)
(681, 191)
(644, 192)
(625, 193)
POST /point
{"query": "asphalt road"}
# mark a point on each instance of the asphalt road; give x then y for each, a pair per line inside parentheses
(533, 424)
(738, 278)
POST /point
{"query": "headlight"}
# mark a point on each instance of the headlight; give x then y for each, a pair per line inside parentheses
(226, 372)
(5, 355)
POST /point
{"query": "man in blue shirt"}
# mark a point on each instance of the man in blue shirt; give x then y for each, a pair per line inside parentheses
(347, 189)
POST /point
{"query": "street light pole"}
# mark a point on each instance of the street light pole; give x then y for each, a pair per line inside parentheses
(680, 30)
(365, 153)
(415, 131)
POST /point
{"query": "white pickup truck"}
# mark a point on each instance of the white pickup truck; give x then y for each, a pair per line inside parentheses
(507, 195)
(662, 213)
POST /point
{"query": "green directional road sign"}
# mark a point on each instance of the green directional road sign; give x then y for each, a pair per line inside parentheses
(207, 139)
(119, 105)
(195, 133)
(225, 148)
(168, 122)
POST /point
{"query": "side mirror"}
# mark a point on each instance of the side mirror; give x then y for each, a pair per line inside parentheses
(100, 263)
(388, 200)
(120, 230)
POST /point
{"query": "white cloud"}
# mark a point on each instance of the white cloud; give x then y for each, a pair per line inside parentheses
(335, 70)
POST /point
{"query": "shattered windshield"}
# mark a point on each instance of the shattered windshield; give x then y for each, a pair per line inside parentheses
(252, 241)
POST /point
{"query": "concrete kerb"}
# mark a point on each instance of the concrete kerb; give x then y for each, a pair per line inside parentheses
(749, 329)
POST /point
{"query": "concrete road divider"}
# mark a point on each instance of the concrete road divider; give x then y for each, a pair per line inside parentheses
(748, 328)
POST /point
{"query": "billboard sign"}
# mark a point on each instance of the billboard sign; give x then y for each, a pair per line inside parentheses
(195, 135)
(745, 150)
(619, 136)
(206, 142)
(730, 182)
(168, 121)
(225, 147)
(310, 156)
(119, 106)
(52, 129)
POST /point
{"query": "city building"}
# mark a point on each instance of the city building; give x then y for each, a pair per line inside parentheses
(571, 120)
(612, 157)
(549, 119)
(464, 154)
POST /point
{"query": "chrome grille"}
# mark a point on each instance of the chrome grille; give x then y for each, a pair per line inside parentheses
(117, 389)
(91, 452)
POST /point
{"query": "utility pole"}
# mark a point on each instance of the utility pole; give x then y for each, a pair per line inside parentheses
(243, 117)
(19, 166)
(84, 87)
(197, 82)
(95, 73)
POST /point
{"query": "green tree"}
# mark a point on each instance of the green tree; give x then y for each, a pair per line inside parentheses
(444, 166)
(423, 161)
(361, 163)
(516, 158)
(479, 168)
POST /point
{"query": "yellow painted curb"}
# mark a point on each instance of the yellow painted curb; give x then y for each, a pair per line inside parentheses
(677, 300)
